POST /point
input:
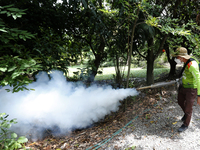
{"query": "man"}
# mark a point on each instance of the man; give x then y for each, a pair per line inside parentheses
(190, 85)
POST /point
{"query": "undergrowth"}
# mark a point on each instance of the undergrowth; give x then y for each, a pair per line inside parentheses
(8, 139)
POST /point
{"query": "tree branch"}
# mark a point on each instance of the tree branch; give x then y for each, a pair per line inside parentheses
(161, 45)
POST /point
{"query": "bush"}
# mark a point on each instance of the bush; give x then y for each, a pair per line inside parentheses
(8, 139)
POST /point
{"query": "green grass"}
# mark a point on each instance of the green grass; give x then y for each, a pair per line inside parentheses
(108, 72)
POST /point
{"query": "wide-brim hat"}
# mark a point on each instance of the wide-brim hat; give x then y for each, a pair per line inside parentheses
(182, 52)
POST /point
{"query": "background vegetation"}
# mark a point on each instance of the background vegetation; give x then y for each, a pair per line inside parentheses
(45, 35)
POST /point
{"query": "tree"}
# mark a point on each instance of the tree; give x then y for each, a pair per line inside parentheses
(86, 26)
(64, 32)
(185, 12)
(161, 18)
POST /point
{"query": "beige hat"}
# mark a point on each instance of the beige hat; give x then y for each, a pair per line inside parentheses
(182, 52)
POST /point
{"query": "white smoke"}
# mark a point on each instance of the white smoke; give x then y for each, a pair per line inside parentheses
(58, 104)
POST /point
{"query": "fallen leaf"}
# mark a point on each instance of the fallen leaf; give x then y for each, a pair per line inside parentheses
(32, 143)
(148, 116)
(116, 147)
(174, 123)
(47, 148)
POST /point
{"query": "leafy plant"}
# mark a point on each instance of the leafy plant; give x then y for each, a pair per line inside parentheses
(16, 70)
(8, 139)
(14, 65)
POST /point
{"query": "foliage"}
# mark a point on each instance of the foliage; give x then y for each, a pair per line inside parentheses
(31, 43)
(194, 45)
(49, 51)
(9, 34)
(10, 11)
(8, 139)
(14, 65)
(73, 30)
(170, 26)
(171, 20)
(13, 69)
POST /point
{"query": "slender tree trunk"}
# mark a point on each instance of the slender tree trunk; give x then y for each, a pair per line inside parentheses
(130, 53)
(131, 49)
(118, 78)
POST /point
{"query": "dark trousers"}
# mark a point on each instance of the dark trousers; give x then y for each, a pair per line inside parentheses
(186, 98)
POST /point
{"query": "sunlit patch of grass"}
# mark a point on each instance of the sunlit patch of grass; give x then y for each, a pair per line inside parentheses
(134, 73)
(108, 72)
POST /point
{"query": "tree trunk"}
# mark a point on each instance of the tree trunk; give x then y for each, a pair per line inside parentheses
(150, 68)
(94, 70)
(119, 76)
(171, 62)
(151, 58)
(129, 55)
(172, 71)
(131, 48)
(97, 62)
(150, 63)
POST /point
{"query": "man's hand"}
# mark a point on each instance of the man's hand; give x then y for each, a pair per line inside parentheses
(198, 100)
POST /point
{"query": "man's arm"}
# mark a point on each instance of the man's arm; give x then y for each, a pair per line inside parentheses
(197, 79)
(195, 72)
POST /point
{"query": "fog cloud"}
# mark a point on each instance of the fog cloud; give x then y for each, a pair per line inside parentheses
(59, 105)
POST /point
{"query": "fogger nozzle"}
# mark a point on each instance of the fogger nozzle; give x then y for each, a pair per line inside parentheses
(159, 84)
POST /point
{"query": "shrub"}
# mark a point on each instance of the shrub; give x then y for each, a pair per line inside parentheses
(8, 139)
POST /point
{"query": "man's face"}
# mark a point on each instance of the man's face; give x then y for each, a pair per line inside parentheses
(180, 58)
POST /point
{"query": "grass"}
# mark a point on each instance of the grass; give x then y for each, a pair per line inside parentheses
(108, 72)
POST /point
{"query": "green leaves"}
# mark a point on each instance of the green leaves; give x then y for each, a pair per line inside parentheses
(3, 69)
(15, 65)
(16, 70)
(171, 26)
(153, 21)
(8, 139)
(11, 11)
(3, 30)
(22, 139)
(13, 135)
